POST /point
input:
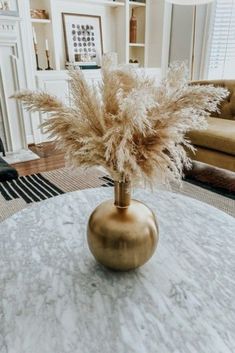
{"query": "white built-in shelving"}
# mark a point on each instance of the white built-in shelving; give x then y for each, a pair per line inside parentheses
(115, 17)
(139, 50)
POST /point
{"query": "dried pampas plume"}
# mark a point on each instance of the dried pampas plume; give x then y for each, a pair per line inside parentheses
(128, 124)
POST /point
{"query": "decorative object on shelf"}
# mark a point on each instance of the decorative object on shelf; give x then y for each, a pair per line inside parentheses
(131, 61)
(83, 35)
(35, 43)
(133, 28)
(83, 58)
(81, 65)
(135, 128)
(4, 5)
(48, 55)
(9, 8)
(192, 3)
(82, 61)
(134, 63)
(39, 14)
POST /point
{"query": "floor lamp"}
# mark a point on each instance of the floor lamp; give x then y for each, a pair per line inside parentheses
(191, 3)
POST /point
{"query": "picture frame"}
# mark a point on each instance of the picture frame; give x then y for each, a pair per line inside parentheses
(9, 8)
(83, 37)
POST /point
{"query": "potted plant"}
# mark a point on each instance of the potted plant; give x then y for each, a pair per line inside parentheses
(135, 129)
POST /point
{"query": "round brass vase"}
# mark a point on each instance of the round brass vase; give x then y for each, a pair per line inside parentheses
(122, 235)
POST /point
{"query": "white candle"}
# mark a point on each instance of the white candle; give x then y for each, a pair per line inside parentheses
(34, 36)
(46, 43)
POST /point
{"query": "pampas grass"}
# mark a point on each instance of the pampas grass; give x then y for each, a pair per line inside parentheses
(128, 124)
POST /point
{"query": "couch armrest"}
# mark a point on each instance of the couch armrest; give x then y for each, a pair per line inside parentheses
(227, 107)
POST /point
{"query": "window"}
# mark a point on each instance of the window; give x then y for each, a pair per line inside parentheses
(221, 63)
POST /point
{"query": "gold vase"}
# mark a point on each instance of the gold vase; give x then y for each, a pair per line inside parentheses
(122, 235)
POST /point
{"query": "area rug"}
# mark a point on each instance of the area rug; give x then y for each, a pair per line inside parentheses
(27, 190)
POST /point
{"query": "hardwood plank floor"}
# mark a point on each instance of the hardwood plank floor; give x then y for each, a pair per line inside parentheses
(50, 159)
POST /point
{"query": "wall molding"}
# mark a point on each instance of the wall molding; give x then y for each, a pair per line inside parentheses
(9, 28)
(11, 80)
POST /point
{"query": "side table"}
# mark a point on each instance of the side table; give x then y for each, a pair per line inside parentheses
(56, 299)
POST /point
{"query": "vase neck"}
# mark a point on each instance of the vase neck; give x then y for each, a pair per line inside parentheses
(122, 192)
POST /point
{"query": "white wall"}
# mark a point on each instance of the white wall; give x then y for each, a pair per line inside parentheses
(181, 35)
(181, 31)
(156, 19)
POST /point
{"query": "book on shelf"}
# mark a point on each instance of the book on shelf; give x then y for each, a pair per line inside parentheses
(82, 65)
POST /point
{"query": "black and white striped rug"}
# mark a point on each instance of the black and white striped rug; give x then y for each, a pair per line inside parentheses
(18, 193)
(35, 187)
(31, 188)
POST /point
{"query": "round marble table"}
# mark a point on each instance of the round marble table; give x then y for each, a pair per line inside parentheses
(54, 297)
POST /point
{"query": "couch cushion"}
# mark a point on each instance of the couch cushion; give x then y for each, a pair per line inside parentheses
(216, 158)
(219, 136)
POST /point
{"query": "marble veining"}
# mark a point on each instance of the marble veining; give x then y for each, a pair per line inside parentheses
(54, 297)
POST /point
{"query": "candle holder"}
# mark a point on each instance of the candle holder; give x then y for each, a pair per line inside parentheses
(48, 60)
(36, 55)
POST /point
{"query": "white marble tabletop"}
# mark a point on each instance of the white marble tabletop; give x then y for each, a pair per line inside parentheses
(54, 297)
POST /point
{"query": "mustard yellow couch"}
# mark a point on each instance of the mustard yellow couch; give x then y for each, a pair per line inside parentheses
(216, 145)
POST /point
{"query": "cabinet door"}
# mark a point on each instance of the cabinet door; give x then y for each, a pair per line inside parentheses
(57, 86)
(57, 83)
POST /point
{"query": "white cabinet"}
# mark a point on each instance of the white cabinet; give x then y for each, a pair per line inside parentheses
(54, 82)
(57, 84)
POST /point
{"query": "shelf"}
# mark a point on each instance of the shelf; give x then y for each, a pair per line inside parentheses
(104, 2)
(137, 4)
(40, 20)
(139, 45)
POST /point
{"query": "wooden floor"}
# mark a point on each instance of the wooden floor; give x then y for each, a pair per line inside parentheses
(50, 159)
